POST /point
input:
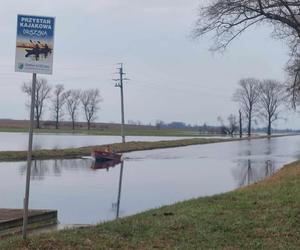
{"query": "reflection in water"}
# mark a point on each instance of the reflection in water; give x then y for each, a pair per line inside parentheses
(152, 179)
(40, 168)
(250, 168)
(250, 171)
(104, 164)
(270, 168)
(115, 207)
(119, 190)
(263, 147)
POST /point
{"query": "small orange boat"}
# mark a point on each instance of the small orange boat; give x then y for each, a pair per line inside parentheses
(103, 156)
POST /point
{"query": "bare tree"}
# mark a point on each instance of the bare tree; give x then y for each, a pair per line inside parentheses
(227, 19)
(90, 100)
(231, 127)
(247, 96)
(72, 98)
(58, 102)
(42, 93)
(271, 97)
(240, 123)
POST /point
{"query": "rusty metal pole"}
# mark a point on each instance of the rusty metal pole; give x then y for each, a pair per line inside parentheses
(29, 158)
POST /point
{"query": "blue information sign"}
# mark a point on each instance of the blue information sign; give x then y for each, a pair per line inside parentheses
(35, 42)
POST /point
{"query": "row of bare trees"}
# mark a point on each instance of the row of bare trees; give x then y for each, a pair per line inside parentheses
(260, 98)
(263, 99)
(64, 102)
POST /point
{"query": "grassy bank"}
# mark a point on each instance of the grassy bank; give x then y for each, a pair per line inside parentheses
(108, 131)
(264, 215)
(85, 151)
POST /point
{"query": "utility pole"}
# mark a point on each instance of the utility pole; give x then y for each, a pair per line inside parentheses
(119, 84)
(241, 125)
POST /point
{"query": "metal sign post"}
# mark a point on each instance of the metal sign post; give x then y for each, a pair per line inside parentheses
(29, 157)
(34, 54)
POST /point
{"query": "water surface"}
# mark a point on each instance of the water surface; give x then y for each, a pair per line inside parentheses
(19, 141)
(150, 178)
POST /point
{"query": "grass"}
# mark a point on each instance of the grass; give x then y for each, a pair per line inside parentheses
(85, 151)
(108, 131)
(265, 215)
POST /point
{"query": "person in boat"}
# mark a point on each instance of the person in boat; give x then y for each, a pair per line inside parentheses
(108, 149)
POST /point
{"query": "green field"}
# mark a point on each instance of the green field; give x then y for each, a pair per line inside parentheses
(265, 215)
(108, 131)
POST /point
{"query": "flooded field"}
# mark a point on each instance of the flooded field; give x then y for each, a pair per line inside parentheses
(149, 179)
(19, 141)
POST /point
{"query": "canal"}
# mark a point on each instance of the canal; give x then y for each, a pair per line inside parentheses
(19, 141)
(150, 179)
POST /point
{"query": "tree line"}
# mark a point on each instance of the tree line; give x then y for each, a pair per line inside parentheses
(262, 99)
(63, 103)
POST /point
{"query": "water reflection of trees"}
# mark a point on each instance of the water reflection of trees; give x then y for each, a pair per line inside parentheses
(256, 147)
(40, 168)
(250, 171)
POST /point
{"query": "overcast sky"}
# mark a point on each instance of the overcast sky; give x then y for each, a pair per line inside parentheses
(173, 78)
